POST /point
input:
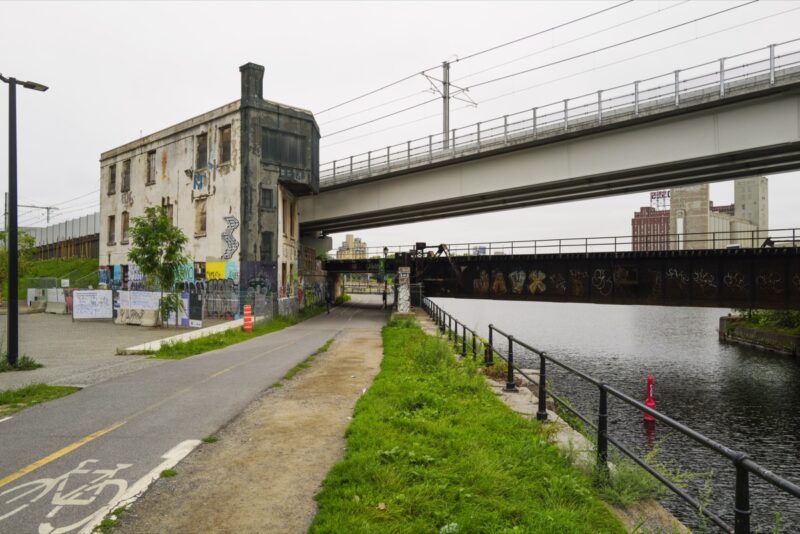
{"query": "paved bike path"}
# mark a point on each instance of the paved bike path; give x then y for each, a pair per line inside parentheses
(65, 463)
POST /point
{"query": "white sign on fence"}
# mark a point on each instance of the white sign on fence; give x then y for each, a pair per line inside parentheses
(65, 282)
(92, 304)
(138, 300)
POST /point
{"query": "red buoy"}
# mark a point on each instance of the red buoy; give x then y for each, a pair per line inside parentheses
(650, 402)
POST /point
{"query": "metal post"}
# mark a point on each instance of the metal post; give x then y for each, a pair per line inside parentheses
(445, 102)
(449, 327)
(677, 88)
(772, 64)
(534, 122)
(541, 412)
(479, 136)
(351, 165)
(722, 76)
(334, 168)
(369, 162)
(505, 128)
(510, 385)
(430, 148)
(489, 356)
(600, 107)
(741, 507)
(636, 98)
(474, 345)
(566, 113)
(388, 157)
(602, 430)
(615, 243)
(12, 350)
(463, 341)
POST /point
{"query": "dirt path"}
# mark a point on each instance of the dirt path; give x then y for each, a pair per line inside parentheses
(262, 474)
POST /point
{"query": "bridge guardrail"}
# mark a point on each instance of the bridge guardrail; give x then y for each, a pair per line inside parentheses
(715, 80)
(742, 463)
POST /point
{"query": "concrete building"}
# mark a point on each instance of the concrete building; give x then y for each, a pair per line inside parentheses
(230, 179)
(352, 248)
(692, 221)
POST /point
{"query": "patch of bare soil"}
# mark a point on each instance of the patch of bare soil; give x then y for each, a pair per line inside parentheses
(262, 474)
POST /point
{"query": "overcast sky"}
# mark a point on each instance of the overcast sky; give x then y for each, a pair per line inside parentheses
(120, 70)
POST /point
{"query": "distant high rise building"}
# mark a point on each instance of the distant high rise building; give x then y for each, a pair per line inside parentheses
(692, 221)
(352, 248)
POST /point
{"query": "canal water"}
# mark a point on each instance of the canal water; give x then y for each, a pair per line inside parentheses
(744, 398)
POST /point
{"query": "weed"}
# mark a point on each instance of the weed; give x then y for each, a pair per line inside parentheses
(210, 439)
(305, 364)
(167, 473)
(14, 400)
(277, 385)
(24, 363)
(110, 521)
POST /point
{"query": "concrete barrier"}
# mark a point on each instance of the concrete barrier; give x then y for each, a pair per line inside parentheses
(59, 308)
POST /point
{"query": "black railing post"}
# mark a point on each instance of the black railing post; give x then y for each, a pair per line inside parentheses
(741, 507)
(489, 356)
(474, 346)
(602, 432)
(449, 327)
(463, 341)
(441, 320)
(541, 413)
(510, 385)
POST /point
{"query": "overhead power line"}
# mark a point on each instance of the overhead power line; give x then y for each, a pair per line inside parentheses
(382, 117)
(542, 32)
(418, 73)
(609, 47)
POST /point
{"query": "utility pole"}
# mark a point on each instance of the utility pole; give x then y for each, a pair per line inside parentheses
(445, 104)
(48, 209)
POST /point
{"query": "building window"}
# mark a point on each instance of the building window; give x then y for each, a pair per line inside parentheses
(112, 179)
(285, 215)
(200, 217)
(125, 223)
(112, 227)
(225, 144)
(292, 218)
(283, 148)
(126, 176)
(266, 247)
(266, 199)
(201, 162)
(151, 168)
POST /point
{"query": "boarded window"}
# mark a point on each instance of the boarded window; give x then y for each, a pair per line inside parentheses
(125, 223)
(283, 148)
(267, 202)
(292, 218)
(200, 217)
(151, 167)
(126, 176)
(167, 206)
(225, 144)
(112, 227)
(112, 179)
(285, 216)
(201, 162)
(266, 247)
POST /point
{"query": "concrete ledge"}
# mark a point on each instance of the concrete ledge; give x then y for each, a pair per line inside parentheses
(152, 346)
(59, 308)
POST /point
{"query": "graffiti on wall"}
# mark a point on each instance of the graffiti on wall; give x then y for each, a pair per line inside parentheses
(231, 245)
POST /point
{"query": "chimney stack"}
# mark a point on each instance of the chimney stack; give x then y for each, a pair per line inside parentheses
(252, 83)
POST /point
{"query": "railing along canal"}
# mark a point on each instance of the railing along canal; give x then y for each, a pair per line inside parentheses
(450, 326)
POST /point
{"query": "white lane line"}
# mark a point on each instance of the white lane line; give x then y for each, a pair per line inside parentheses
(171, 459)
(5, 419)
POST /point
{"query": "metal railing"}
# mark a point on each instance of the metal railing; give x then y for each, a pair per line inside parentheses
(775, 237)
(715, 80)
(741, 462)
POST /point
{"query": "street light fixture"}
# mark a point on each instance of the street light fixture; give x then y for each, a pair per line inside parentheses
(11, 232)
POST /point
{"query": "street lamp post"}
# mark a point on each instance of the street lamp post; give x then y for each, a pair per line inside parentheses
(12, 351)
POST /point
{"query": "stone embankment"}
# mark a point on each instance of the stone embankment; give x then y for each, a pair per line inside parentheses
(736, 330)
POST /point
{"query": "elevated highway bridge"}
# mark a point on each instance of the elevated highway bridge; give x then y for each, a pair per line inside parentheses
(739, 116)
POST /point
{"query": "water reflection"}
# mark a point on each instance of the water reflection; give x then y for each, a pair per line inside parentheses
(742, 397)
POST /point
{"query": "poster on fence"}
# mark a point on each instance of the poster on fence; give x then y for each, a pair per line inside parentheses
(92, 304)
(138, 300)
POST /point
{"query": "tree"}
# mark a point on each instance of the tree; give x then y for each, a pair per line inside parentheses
(26, 246)
(157, 249)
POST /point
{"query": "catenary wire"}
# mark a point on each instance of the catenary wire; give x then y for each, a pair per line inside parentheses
(382, 117)
(608, 47)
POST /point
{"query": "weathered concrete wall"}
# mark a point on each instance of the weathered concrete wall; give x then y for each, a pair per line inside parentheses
(734, 330)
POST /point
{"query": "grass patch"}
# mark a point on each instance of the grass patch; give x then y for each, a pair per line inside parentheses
(210, 439)
(81, 272)
(109, 522)
(14, 400)
(167, 473)
(305, 364)
(431, 449)
(177, 350)
(24, 363)
(341, 299)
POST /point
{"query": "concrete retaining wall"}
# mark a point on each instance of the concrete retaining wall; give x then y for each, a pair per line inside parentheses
(734, 330)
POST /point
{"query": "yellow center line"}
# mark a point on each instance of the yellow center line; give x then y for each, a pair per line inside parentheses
(58, 454)
(91, 437)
